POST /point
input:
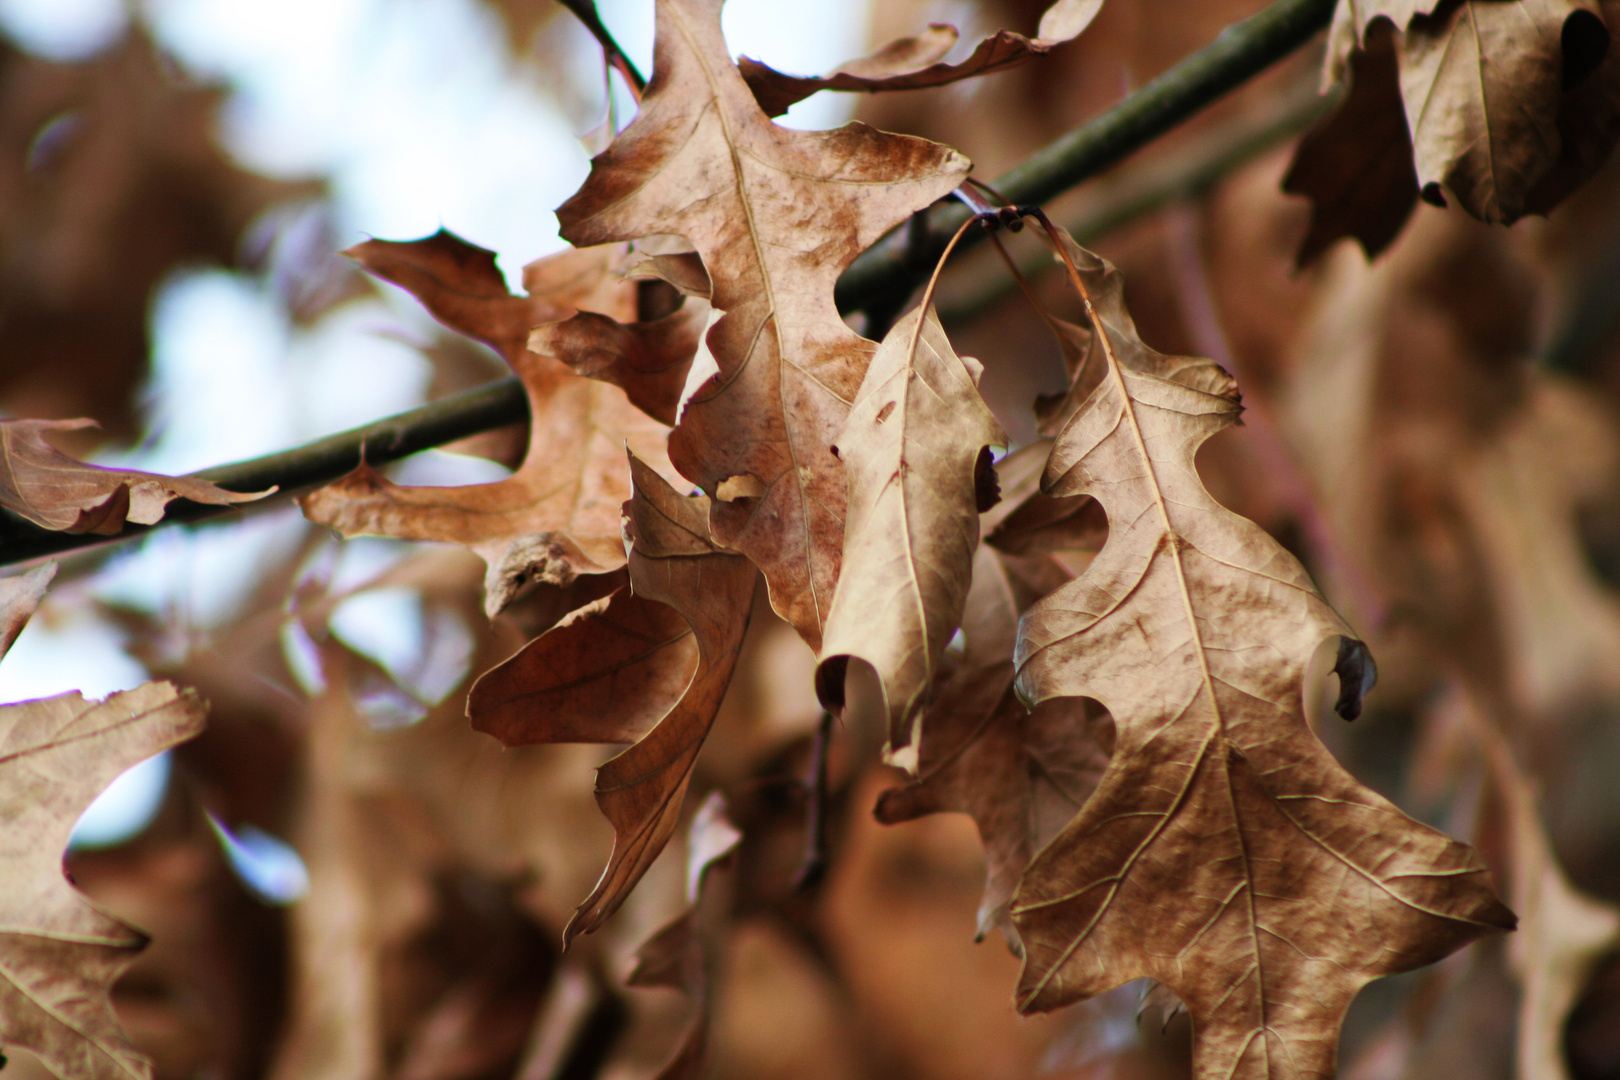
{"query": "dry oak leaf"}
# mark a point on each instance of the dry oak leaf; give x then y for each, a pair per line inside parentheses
(59, 954)
(1224, 852)
(917, 63)
(916, 449)
(649, 665)
(461, 285)
(1020, 775)
(649, 361)
(776, 215)
(1485, 85)
(1355, 164)
(54, 491)
(557, 516)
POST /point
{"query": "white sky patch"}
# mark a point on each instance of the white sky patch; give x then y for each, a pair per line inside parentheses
(64, 648)
(63, 29)
(411, 107)
(266, 864)
(798, 38)
(126, 807)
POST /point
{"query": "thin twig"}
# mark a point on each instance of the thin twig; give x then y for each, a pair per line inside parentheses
(1144, 187)
(814, 867)
(585, 10)
(480, 409)
(885, 272)
(1242, 51)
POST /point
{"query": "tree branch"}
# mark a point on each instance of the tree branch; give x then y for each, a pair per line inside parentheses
(483, 408)
(879, 282)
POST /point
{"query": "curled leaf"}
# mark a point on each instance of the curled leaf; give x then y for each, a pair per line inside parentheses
(58, 492)
(917, 63)
(911, 448)
(651, 665)
(557, 516)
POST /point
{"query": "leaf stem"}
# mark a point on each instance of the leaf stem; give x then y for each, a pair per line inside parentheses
(881, 278)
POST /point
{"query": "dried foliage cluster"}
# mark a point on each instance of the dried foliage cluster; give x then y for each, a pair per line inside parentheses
(761, 551)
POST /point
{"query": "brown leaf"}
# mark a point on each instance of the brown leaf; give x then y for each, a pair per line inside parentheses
(607, 674)
(916, 63)
(911, 447)
(776, 215)
(461, 285)
(1028, 521)
(633, 677)
(683, 954)
(1020, 775)
(19, 596)
(1224, 853)
(1483, 83)
(1355, 165)
(58, 492)
(647, 360)
(557, 516)
(62, 953)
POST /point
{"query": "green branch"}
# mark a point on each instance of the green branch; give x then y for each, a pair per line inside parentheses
(878, 283)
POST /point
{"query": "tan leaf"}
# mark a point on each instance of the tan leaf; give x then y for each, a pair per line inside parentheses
(1355, 165)
(683, 954)
(917, 63)
(650, 665)
(557, 516)
(58, 492)
(1020, 775)
(1224, 853)
(649, 361)
(62, 954)
(1483, 83)
(776, 215)
(916, 449)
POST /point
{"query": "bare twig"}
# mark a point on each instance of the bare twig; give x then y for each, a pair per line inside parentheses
(880, 280)
(585, 10)
(814, 866)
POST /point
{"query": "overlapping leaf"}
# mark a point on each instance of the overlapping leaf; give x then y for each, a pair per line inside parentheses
(1224, 853)
(916, 448)
(58, 492)
(1509, 102)
(1020, 775)
(776, 215)
(60, 955)
(1356, 164)
(557, 516)
(623, 670)
(917, 63)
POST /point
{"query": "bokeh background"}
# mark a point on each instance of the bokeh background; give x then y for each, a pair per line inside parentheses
(343, 881)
